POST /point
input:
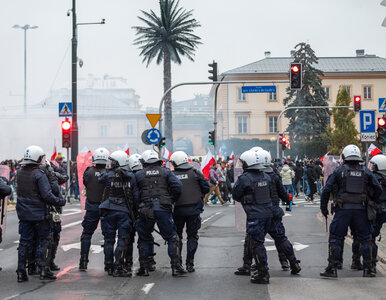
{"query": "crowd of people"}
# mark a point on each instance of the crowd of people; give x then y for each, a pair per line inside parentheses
(130, 194)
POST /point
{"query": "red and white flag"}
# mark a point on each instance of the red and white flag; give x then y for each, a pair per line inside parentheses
(232, 156)
(53, 156)
(126, 149)
(323, 157)
(167, 154)
(207, 162)
(373, 150)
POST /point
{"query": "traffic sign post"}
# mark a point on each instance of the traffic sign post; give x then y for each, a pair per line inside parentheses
(65, 109)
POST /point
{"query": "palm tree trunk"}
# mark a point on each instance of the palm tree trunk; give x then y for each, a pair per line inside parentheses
(168, 101)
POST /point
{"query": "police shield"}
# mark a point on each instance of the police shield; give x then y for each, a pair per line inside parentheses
(4, 172)
(240, 213)
(83, 161)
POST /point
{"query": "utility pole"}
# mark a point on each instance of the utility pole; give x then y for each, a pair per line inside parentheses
(74, 87)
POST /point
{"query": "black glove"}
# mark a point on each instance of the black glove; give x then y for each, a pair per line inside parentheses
(325, 212)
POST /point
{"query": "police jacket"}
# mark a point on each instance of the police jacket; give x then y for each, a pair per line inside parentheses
(352, 182)
(194, 187)
(5, 189)
(34, 194)
(382, 198)
(94, 188)
(54, 183)
(159, 186)
(121, 190)
(253, 190)
(277, 192)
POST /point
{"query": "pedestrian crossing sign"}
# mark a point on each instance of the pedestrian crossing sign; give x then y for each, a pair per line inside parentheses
(382, 105)
(65, 109)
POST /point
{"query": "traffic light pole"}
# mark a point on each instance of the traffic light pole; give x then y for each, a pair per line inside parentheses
(74, 58)
(299, 107)
(215, 96)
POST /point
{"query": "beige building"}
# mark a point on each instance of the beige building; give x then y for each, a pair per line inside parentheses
(254, 115)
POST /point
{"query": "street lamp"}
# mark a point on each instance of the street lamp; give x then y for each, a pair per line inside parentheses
(25, 28)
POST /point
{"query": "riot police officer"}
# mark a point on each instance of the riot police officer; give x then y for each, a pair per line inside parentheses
(117, 212)
(378, 163)
(253, 191)
(159, 189)
(189, 205)
(94, 193)
(5, 190)
(33, 195)
(353, 180)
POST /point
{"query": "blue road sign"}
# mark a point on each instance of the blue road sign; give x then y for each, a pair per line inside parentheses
(367, 120)
(259, 89)
(153, 136)
(382, 105)
(65, 109)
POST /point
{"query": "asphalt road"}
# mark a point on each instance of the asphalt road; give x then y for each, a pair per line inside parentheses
(218, 256)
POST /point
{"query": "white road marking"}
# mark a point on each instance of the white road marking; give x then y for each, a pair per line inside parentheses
(147, 287)
(71, 224)
(298, 246)
(287, 215)
(212, 216)
(71, 211)
(93, 248)
(16, 242)
(11, 297)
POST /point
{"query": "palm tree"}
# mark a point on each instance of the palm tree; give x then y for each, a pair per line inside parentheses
(167, 37)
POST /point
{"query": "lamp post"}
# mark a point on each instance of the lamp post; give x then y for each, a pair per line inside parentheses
(74, 97)
(25, 28)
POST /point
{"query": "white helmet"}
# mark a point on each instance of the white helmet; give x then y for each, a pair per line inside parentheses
(33, 155)
(351, 153)
(252, 160)
(379, 161)
(178, 158)
(100, 156)
(266, 157)
(257, 148)
(119, 159)
(134, 162)
(149, 157)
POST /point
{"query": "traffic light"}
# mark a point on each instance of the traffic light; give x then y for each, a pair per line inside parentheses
(283, 142)
(66, 134)
(357, 103)
(161, 143)
(381, 139)
(212, 137)
(296, 76)
(213, 71)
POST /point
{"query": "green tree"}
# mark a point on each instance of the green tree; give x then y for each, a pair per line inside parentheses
(344, 131)
(167, 37)
(306, 124)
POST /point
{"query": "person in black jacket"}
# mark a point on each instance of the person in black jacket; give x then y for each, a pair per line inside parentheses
(33, 195)
(298, 176)
(5, 190)
(189, 205)
(311, 178)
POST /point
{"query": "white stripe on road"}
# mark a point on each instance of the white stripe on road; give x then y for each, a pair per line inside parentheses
(147, 287)
(212, 216)
(71, 224)
(69, 212)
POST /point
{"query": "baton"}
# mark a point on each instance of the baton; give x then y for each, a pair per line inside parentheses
(2, 210)
(326, 224)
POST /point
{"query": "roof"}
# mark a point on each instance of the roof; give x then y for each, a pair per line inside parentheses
(280, 65)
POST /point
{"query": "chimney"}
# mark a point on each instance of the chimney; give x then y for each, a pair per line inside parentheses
(360, 52)
(267, 53)
(292, 53)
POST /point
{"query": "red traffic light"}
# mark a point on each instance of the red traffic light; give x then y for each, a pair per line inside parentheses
(381, 122)
(283, 139)
(66, 125)
(357, 98)
(295, 69)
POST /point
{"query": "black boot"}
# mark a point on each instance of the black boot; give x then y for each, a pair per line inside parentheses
(22, 276)
(330, 272)
(295, 267)
(52, 255)
(128, 265)
(178, 270)
(152, 263)
(374, 268)
(356, 265)
(46, 274)
(120, 271)
(143, 269)
(190, 264)
(368, 272)
(260, 277)
(109, 269)
(33, 269)
(83, 262)
(244, 270)
(284, 265)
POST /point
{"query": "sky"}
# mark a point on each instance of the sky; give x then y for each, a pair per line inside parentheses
(234, 33)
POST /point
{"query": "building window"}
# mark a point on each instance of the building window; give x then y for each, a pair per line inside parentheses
(104, 129)
(272, 97)
(367, 92)
(327, 92)
(273, 124)
(242, 125)
(348, 89)
(241, 96)
(129, 130)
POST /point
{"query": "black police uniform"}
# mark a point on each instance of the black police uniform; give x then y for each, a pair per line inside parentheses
(188, 208)
(94, 194)
(353, 181)
(159, 189)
